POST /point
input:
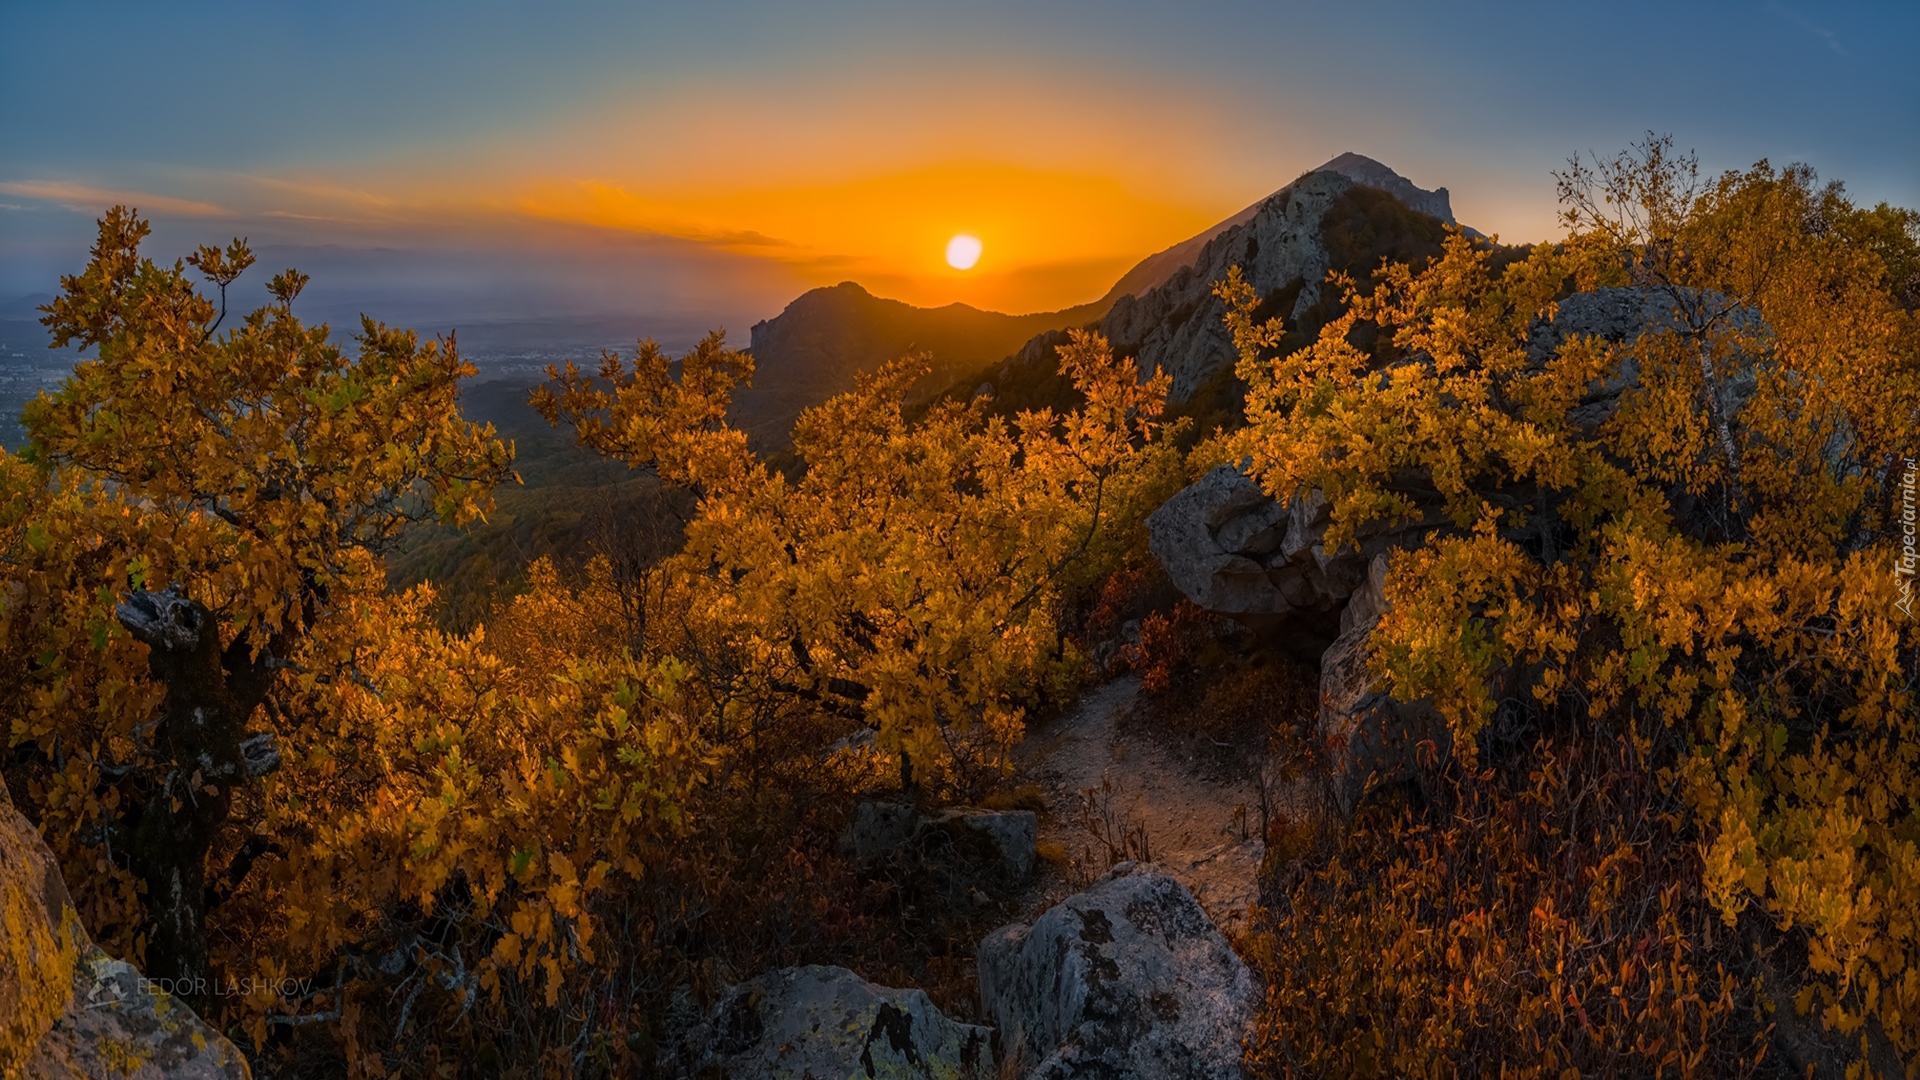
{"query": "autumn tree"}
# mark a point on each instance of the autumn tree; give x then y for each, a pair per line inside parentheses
(185, 532)
(911, 577)
(1680, 540)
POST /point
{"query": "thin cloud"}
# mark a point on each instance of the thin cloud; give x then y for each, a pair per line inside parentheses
(91, 200)
(1821, 32)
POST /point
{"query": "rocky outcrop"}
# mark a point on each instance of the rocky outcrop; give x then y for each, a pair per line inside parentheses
(1370, 736)
(69, 1010)
(830, 1024)
(1364, 170)
(1126, 981)
(1178, 326)
(1235, 551)
(1621, 315)
(996, 844)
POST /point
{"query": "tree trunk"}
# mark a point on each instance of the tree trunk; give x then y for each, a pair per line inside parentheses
(197, 742)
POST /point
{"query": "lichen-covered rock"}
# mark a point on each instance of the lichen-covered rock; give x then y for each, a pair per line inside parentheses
(69, 1010)
(1127, 981)
(829, 1024)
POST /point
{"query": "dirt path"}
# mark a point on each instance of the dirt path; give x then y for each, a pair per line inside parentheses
(1199, 826)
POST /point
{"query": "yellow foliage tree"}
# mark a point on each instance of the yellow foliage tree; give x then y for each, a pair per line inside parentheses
(911, 577)
(186, 530)
(1687, 538)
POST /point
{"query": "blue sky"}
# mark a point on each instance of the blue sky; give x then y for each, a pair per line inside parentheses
(705, 158)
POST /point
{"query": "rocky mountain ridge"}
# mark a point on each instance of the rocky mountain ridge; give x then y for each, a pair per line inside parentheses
(1162, 310)
(1283, 247)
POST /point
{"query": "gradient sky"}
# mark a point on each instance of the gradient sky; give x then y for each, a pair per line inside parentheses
(710, 161)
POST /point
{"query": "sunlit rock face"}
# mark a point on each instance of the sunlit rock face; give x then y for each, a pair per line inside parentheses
(69, 1010)
(1127, 981)
(1177, 326)
(1180, 327)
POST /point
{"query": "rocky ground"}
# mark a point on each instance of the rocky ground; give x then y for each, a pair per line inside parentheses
(1117, 789)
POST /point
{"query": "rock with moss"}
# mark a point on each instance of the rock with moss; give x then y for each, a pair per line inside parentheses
(67, 1009)
(830, 1024)
(1127, 981)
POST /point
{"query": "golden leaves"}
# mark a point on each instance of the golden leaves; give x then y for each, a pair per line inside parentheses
(1700, 564)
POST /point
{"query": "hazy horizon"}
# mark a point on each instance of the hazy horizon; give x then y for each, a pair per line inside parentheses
(707, 166)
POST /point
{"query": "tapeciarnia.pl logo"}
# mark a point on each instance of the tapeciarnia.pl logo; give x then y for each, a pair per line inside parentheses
(1909, 560)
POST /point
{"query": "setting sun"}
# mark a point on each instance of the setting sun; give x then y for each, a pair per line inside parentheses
(963, 251)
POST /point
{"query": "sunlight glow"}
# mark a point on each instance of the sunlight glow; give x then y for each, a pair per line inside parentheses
(1059, 238)
(963, 251)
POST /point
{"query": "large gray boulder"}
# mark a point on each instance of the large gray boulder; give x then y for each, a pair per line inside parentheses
(1235, 551)
(1127, 981)
(1212, 536)
(67, 1009)
(827, 1023)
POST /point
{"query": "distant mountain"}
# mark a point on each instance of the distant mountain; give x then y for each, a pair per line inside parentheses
(1155, 270)
(813, 349)
(1345, 215)
(24, 307)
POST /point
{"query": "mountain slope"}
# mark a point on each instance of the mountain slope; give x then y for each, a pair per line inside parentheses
(1161, 311)
(1154, 270)
(1342, 216)
(813, 349)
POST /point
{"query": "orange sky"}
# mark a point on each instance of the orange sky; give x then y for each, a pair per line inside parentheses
(1051, 239)
(741, 151)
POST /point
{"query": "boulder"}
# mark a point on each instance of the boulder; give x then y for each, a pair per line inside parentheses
(1011, 836)
(69, 1010)
(1371, 737)
(1235, 551)
(1206, 536)
(828, 1023)
(1619, 316)
(993, 843)
(1127, 981)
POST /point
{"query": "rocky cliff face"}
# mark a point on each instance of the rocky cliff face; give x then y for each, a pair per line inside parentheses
(1161, 311)
(1176, 326)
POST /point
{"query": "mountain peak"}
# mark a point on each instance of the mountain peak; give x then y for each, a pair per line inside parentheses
(1156, 269)
(1362, 169)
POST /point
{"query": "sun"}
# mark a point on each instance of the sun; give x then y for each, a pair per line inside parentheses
(963, 251)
